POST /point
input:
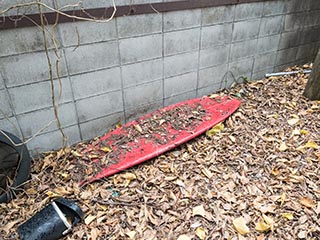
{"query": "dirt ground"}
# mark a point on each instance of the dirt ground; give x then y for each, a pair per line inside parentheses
(256, 178)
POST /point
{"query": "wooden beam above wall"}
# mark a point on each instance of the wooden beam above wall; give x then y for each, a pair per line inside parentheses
(20, 21)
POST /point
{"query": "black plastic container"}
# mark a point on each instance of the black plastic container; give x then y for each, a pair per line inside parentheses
(18, 154)
(53, 222)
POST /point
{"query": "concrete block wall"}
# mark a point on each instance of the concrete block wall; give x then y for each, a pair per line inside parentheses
(117, 71)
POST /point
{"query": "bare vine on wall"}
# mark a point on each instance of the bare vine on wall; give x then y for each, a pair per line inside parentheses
(53, 65)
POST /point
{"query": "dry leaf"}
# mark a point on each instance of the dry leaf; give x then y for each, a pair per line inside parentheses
(282, 198)
(302, 234)
(51, 194)
(105, 149)
(307, 202)
(124, 178)
(184, 237)
(65, 176)
(267, 219)
(305, 132)
(293, 121)
(275, 171)
(199, 210)
(317, 210)
(131, 234)
(138, 128)
(62, 191)
(262, 227)
(89, 219)
(267, 208)
(283, 147)
(94, 234)
(296, 132)
(207, 172)
(201, 233)
(76, 154)
(8, 227)
(240, 225)
(288, 216)
(260, 237)
(216, 129)
(31, 191)
(311, 144)
(232, 138)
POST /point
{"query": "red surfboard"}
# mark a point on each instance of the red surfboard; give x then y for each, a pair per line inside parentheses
(155, 133)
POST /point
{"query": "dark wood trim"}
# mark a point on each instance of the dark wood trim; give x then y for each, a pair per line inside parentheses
(20, 21)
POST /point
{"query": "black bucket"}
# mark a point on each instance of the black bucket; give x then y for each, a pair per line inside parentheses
(53, 222)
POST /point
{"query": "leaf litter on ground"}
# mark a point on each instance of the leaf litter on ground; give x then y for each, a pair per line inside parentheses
(256, 176)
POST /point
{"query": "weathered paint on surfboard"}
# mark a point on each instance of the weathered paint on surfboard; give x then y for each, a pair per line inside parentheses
(156, 133)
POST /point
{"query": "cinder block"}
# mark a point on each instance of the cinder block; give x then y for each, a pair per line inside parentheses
(213, 75)
(294, 21)
(180, 98)
(286, 56)
(283, 67)
(140, 48)
(261, 74)
(208, 90)
(1, 82)
(216, 15)
(307, 51)
(270, 25)
(314, 4)
(216, 35)
(135, 113)
(99, 106)
(143, 72)
(95, 83)
(179, 64)
(273, 8)
(268, 44)
(248, 11)
(84, 32)
(308, 36)
(23, 10)
(292, 6)
(98, 3)
(264, 61)
(214, 56)
(181, 41)
(5, 106)
(32, 122)
(289, 40)
(137, 25)
(23, 40)
(239, 70)
(92, 57)
(100, 126)
(312, 19)
(85, 4)
(143, 94)
(245, 30)
(53, 140)
(181, 19)
(10, 125)
(29, 68)
(243, 49)
(23, 101)
(132, 2)
(180, 84)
